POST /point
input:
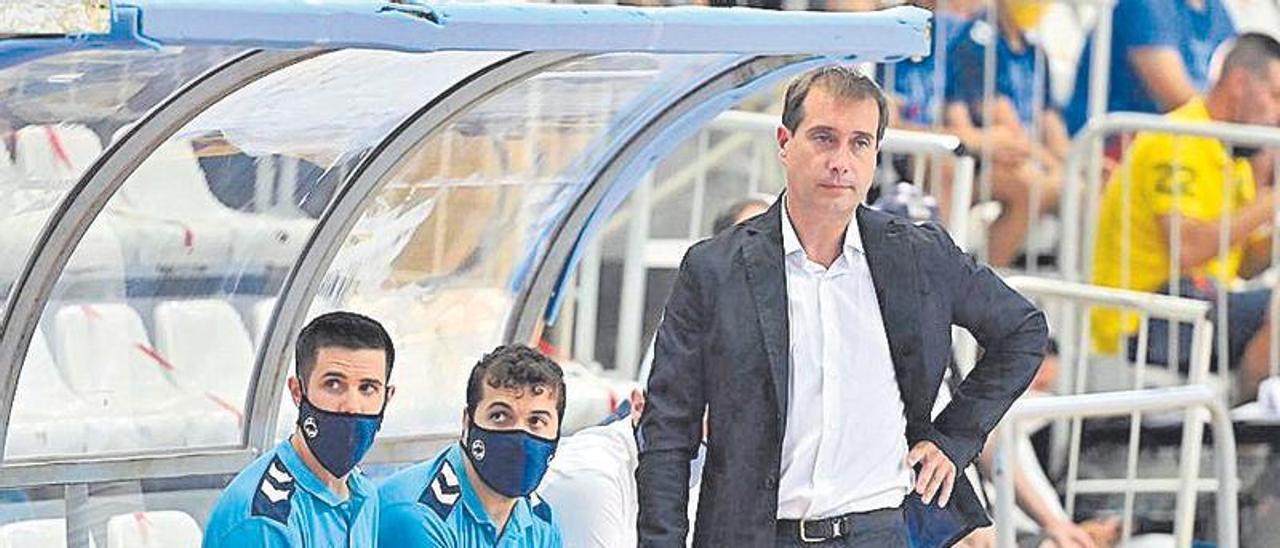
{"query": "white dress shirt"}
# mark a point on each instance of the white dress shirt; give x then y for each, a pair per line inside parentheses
(845, 444)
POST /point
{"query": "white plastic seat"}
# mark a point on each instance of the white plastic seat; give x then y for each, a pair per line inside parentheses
(42, 391)
(262, 311)
(168, 529)
(98, 255)
(46, 413)
(46, 533)
(55, 153)
(169, 192)
(8, 173)
(213, 427)
(213, 357)
(106, 357)
(161, 216)
(208, 345)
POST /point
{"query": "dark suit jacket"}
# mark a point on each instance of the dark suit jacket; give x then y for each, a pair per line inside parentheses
(723, 345)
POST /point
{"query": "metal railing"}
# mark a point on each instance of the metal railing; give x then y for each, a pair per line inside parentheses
(1075, 363)
(1195, 399)
(1081, 204)
(751, 130)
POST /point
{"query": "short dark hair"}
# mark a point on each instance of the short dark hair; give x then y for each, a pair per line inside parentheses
(843, 82)
(729, 216)
(1252, 52)
(514, 366)
(340, 330)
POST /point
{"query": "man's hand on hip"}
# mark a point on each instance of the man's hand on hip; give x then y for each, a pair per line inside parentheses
(937, 473)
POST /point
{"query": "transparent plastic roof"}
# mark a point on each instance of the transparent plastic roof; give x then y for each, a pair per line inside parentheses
(102, 88)
(57, 113)
(208, 228)
(451, 237)
(196, 245)
(346, 100)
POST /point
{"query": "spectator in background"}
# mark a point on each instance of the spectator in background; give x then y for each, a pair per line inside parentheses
(1021, 119)
(1166, 177)
(916, 85)
(740, 211)
(1160, 54)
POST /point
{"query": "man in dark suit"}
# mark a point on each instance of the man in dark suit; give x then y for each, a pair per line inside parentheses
(815, 337)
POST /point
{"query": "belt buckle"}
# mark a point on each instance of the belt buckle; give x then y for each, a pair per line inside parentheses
(804, 537)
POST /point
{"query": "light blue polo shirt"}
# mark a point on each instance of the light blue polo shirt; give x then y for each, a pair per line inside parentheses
(434, 504)
(1174, 24)
(277, 501)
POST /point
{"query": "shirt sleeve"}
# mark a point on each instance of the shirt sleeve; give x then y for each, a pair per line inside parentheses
(1147, 23)
(251, 532)
(589, 510)
(406, 525)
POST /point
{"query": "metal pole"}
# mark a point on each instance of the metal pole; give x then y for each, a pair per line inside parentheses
(699, 187)
(1005, 470)
(79, 526)
(1273, 314)
(988, 110)
(584, 341)
(631, 305)
(961, 195)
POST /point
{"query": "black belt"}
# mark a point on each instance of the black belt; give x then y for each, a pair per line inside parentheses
(824, 529)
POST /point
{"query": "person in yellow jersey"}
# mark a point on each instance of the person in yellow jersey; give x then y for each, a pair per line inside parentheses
(1195, 180)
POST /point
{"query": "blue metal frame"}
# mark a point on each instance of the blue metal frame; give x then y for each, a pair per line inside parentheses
(421, 26)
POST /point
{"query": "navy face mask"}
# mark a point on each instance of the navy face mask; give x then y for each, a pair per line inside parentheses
(338, 440)
(511, 462)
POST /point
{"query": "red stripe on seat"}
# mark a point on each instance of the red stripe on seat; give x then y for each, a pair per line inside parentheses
(156, 357)
(225, 405)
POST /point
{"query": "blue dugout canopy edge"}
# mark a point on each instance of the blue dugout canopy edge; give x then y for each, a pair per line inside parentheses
(412, 26)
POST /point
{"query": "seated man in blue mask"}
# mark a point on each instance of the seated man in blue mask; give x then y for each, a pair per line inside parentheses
(479, 492)
(306, 492)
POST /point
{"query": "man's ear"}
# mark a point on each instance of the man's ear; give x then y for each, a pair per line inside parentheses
(783, 136)
(391, 392)
(295, 391)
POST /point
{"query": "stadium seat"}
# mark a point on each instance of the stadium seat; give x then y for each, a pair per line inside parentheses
(104, 353)
(55, 153)
(46, 413)
(213, 359)
(214, 426)
(40, 384)
(167, 529)
(98, 256)
(167, 200)
(262, 311)
(208, 345)
(8, 174)
(159, 220)
(46, 533)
